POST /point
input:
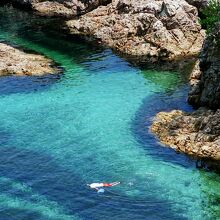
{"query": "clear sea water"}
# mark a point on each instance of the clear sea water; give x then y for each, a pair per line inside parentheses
(90, 124)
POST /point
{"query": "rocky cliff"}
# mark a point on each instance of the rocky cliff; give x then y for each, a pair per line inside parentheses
(206, 91)
(148, 29)
(200, 4)
(60, 8)
(197, 133)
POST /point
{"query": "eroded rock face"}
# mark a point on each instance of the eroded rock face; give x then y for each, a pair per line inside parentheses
(146, 28)
(61, 8)
(206, 91)
(17, 62)
(200, 4)
(196, 134)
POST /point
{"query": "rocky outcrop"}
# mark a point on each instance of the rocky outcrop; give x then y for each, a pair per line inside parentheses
(149, 30)
(146, 28)
(61, 8)
(54, 9)
(196, 134)
(200, 4)
(195, 75)
(17, 62)
(206, 91)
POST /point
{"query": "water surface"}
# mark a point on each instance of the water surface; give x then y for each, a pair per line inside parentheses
(90, 124)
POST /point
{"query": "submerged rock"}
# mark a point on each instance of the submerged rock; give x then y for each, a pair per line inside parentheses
(196, 134)
(17, 62)
(145, 28)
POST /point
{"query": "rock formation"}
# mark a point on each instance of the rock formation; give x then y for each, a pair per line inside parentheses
(146, 28)
(17, 62)
(197, 133)
(200, 4)
(206, 91)
(61, 8)
(149, 30)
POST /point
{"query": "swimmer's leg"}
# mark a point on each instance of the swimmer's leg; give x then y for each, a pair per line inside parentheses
(115, 183)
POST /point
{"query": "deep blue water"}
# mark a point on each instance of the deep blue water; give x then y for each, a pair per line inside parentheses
(90, 124)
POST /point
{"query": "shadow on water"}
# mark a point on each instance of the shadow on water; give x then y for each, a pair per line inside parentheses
(26, 84)
(14, 214)
(4, 136)
(47, 178)
(143, 119)
(45, 33)
(35, 34)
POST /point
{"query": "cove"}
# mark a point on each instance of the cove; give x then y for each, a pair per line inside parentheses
(91, 124)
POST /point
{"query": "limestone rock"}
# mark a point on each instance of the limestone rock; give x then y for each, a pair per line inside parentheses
(53, 9)
(61, 8)
(17, 62)
(150, 29)
(196, 134)
(200, 4)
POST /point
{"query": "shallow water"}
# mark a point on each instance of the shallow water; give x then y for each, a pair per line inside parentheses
(58, 133)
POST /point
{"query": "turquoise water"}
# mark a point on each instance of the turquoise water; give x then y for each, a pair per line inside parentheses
(90, 124)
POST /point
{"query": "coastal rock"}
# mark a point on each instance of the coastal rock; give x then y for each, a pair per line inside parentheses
(200, 4)
(149, 29)
(206, 91)
(195, 75)
(61, 8)
(53, 9)
(17, 62)
(196, 134)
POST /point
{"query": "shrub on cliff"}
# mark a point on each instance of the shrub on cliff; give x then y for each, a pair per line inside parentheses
(211, 15)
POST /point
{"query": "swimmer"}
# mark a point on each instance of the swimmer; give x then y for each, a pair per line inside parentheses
(97, 186)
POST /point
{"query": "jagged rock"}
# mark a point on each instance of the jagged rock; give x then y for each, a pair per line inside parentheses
(151, 30)
(195, 75)
(145, 28)
(200, 4)
(17, 62)
(61, 8)
(196, 134)
(206, 92)
(23, 4)
(54, 9)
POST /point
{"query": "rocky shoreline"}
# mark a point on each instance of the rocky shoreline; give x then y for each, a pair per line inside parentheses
(148, 30)
(153, 32)
(16, 62)
(197, 133)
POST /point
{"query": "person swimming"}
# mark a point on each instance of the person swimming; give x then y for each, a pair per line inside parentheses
(99, 186)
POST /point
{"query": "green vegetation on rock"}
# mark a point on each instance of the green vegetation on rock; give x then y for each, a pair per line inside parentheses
(211, 15)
